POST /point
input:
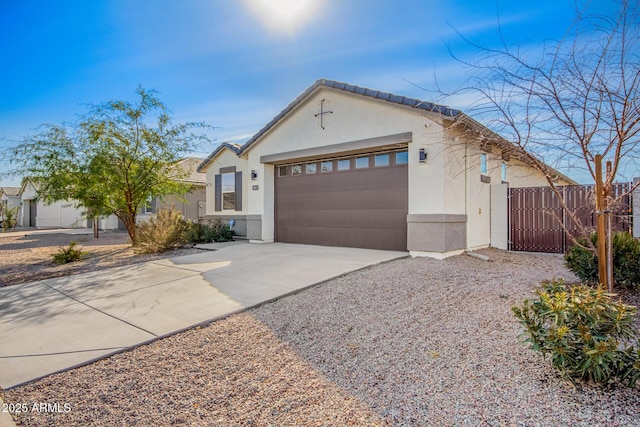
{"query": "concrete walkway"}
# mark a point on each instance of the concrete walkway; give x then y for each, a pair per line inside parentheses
(55, 324)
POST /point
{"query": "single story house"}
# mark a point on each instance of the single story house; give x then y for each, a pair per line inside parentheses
(343, 165)
(36, 213)
(9, 197)
(66, 214)
(192, 203)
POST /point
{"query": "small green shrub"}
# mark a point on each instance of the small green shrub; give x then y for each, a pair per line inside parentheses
(200, 233)
(70, 254)
(626, 261)
(222, 232)
(165, 231)
(587, 335)
(9, 219)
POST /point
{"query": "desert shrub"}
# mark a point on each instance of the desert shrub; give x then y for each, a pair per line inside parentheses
(200, 233)
(626, 260)
(164, 231)
(69, 254)
(9, 219)
(585, 333)
(222, 232)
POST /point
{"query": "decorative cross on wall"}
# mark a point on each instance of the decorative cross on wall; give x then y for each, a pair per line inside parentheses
(322, 113)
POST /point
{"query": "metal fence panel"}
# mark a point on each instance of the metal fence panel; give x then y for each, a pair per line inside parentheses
(536, 216)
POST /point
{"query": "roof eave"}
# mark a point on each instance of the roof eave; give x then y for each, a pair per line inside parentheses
(370, 93)
(225, 145)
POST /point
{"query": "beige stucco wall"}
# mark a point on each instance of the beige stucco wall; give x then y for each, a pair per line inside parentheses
(476, 195)
(10, 201)
(354, 118)
(226, 158)
(448, 200)
(187, 204)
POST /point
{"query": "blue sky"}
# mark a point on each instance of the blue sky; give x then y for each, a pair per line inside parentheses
(231, 63)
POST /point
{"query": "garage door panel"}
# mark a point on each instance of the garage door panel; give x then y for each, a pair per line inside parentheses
(364, 208)
(357, 219)
(361, 238)
(364, 199)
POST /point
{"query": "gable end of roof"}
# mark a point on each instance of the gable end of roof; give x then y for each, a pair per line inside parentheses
(370, 93)
(225, 145)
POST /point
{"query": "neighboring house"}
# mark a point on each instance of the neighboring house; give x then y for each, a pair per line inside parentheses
(349, 166)
(9, 197)
(190, 204)
(36, 213)
(65, 214)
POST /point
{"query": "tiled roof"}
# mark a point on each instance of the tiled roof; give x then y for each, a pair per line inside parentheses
(191, 164)
(230, 145)
(385, 96)
(10, 191)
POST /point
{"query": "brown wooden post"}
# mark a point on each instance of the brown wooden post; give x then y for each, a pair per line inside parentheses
(609, 219)
(602, 257)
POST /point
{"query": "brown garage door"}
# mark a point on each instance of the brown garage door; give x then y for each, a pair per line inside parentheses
(357, 202)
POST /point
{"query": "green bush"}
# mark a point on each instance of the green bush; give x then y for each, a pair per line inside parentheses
(626, 260)
(9, 219)
(165, 231)
(205, 233)
(200, 233)
(70, 254)
(587, 335)
(222, 232)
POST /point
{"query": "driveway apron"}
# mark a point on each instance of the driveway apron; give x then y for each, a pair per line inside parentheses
(56, 324)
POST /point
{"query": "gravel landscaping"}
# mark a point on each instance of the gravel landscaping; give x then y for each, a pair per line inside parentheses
(28, 257)
(410, 342)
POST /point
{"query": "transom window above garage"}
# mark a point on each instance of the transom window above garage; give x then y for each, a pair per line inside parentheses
(362, 162)
(344, 164)
(341, 164)
(381, 160)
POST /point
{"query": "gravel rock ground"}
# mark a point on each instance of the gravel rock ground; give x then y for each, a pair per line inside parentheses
(29, 257)
(409, 342)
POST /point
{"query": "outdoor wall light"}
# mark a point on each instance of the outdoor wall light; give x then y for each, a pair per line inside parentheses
(423, 155)
(254, 175)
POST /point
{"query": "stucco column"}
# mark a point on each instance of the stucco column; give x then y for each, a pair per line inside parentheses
(636, 208)
(500, 216)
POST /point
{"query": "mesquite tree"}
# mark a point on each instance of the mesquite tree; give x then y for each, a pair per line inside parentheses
(112, 160)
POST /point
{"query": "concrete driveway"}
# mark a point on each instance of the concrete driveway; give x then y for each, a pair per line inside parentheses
(60, 323)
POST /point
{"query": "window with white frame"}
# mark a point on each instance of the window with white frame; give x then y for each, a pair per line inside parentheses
(504, 171)
(148, 205)
(228, 181)
(483, 163)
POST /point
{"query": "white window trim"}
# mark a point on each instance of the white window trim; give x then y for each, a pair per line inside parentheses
(222, 192)
(148, 206)
(484, 163)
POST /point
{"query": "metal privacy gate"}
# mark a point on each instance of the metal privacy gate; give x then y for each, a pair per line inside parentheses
(535, 215)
